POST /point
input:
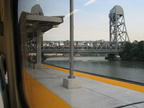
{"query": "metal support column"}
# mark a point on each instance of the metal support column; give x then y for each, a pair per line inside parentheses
(39, 40)
(116, 32)
(71, 38)
(71, 81)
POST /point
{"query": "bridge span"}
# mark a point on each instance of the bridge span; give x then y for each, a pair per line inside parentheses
(80, 47)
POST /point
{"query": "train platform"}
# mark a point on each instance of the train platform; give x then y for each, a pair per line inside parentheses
(93, 93)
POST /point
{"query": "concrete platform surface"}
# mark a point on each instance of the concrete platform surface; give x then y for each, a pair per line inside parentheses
(91, 94)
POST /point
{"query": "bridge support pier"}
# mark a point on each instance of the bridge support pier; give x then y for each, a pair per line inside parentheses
(112, 57)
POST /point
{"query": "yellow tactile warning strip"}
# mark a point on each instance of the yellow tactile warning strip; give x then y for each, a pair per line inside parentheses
(105, 80)
(38, 96)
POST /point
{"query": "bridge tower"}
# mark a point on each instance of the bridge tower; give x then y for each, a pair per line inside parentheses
(117, 29)
(117, 26)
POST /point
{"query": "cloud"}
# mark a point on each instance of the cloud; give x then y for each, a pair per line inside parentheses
(89, 2)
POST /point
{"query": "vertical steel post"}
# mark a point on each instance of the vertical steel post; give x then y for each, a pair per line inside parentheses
(116, 32)
(39, 41)
(110, 28)
(71, 38)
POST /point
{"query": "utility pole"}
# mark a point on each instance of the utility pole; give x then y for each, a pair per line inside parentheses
(71, 39)
(71, 82)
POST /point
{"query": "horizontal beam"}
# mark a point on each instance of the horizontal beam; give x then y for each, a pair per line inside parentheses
(80, 47)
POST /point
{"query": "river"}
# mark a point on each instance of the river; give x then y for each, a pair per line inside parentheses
(127, 70)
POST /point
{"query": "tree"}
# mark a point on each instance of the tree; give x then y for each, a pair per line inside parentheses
(134, 50)
(141, 50)
(127, 50)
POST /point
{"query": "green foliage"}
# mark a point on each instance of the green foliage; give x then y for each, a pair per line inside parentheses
(134, 50)
(141, 50)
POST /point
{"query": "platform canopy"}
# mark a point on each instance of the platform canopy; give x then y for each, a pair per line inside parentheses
(30, 23)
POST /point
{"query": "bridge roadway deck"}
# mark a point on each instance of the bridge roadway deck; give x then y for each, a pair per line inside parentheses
(91, 94)
(80, 47)
(81, 51)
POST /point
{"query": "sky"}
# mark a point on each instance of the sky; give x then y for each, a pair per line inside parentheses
(91, 21)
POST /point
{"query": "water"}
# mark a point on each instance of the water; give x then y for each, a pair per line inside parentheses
(128, 70)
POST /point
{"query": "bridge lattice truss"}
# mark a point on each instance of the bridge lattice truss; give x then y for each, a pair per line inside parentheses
(79, 47)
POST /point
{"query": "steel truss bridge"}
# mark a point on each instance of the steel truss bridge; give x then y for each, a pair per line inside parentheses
(80, 47)
(118, 37)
